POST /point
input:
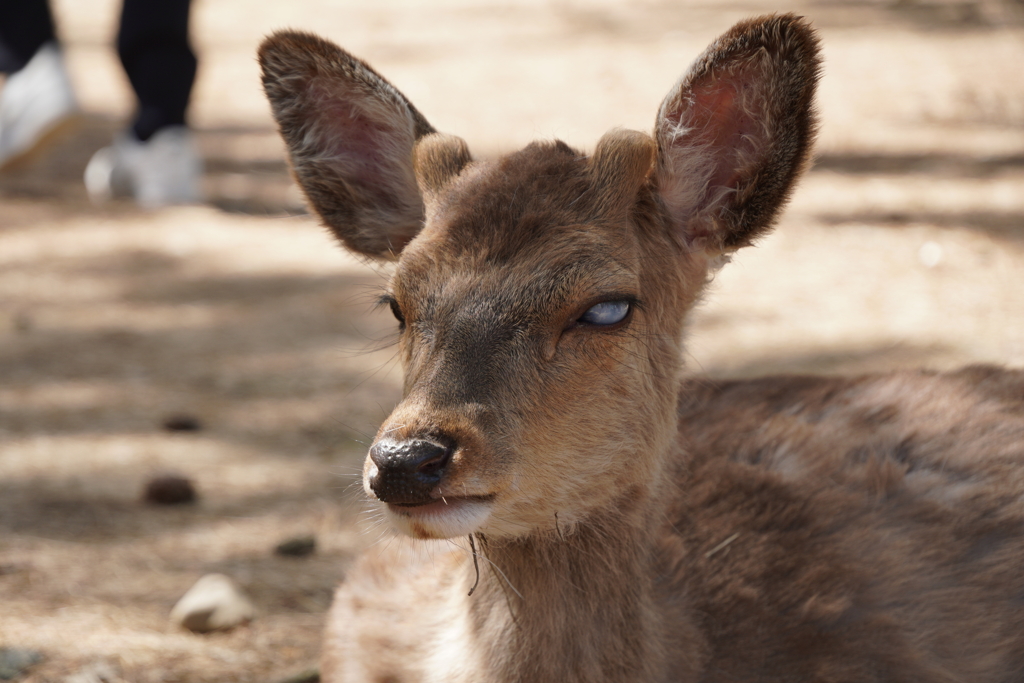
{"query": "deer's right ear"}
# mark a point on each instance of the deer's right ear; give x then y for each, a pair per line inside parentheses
(350, 136)
(736, 132)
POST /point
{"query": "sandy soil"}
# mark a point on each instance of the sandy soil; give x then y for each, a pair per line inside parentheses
(903, 247)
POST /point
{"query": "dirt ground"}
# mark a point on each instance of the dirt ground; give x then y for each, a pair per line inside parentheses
(903, 247)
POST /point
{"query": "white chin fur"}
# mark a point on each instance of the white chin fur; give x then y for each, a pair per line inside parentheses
(438, 520)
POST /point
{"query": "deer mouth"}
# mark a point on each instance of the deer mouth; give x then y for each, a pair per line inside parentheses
(439, 504)
(445, 517)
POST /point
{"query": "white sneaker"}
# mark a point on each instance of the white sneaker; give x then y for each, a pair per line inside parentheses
(164, 170)
(37, 104)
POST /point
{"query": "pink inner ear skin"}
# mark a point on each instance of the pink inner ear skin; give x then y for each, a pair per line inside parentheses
(354, 138)
(356, 142)
(725, 131)
(344, 131)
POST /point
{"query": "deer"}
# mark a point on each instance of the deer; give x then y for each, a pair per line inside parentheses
(582, 508)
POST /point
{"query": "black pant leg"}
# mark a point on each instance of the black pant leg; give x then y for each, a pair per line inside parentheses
(25, 25)
(154, 49)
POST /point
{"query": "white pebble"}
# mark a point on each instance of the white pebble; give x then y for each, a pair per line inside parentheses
(214, 603)
(930, 254)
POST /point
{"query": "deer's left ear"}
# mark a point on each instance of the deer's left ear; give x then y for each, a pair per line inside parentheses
(736, 132)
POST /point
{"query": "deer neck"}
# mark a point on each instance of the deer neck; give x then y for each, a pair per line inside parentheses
(574, 605)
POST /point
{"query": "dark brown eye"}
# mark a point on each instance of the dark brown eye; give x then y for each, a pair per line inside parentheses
(397, 312)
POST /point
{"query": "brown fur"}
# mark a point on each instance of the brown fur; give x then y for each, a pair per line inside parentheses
(631, 525)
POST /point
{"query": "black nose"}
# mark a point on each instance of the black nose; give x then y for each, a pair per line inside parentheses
(407, 471)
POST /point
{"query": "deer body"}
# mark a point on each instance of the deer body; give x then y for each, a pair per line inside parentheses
(819, 529)
(627, 524)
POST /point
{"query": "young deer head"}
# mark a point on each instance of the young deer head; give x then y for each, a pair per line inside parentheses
(541, 296)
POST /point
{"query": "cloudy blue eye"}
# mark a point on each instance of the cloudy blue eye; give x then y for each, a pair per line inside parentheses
(606, 313)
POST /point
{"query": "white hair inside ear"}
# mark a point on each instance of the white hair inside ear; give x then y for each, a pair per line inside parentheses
(716, 262)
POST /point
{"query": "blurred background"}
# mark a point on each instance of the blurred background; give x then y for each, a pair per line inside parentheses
(234, 345)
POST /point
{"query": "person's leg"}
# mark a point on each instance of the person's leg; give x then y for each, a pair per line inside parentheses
(37, 102)
(155, 160)
(25, 26)
(154, 49)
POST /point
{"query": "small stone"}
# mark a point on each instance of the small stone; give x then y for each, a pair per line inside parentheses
(182, 423)
(14, 661)
(307, 676)
(214, 603)
(169, 489)
(23, 322)
(300, 546)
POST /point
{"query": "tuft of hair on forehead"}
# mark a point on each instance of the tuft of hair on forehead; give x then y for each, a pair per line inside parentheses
(510, 202)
